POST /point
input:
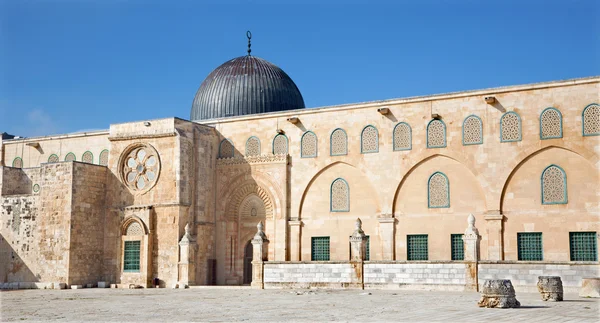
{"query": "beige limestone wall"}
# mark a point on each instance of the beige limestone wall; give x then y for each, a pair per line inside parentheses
(478, 173)
(60, 145)
(87, 223)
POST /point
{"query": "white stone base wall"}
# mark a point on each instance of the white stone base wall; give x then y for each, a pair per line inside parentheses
(310, 275)
(524, 275)
(422, 275)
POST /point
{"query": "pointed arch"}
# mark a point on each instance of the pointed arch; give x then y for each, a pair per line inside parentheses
(133, 219)
(17, 162)
(53, 158)
(70, 157)
(103, 158)
(87, 157)
(436, 134)
(551, 126)
(338, 142)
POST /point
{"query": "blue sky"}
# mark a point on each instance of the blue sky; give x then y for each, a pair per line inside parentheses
(70, 65)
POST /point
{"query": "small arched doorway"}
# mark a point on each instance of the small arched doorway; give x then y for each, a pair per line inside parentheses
(248, 263)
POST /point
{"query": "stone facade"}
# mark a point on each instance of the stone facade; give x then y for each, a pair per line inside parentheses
(390, 163)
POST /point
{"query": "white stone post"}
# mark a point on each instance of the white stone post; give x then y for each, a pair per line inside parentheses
(259, 256)
(358, 243)
(294, 232)
(186, 264)
(386, 227)
(494, 234)
(471, 240)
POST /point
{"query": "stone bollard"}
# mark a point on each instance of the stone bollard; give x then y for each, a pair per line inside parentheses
(550, 287)
(590, 287)
(498, 293)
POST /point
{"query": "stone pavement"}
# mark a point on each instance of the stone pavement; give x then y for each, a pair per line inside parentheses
(244, 304)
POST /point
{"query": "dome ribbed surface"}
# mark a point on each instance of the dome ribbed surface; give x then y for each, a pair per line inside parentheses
(245, 85)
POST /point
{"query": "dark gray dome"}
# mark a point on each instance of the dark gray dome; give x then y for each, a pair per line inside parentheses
(245, 85)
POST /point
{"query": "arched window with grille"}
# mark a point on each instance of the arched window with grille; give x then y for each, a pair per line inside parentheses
(53, 158)
(402, 137)
(87, 157)
(132, 247)
(590, 119)
(550, 124)
(510, 127)
(338, 143)
(253, 146)
(103, 159)
(340, 196)
(17, 162)
(308, 145)
(438, 191)
(226, 149)
(436, 134)
(70, 157)
(472, 131)
(369, 140)
(554, 185)
(280, 145)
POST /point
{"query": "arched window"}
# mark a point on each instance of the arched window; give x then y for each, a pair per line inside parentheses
(70, 157)
(53, 158)
(436, 134)
(402, 137)
(338, 143)
(226, 149)
(103, 158)
(438, 191)
(510, 127)
(280, 145)
(308, 145)
(132, 247)
(253, 146)
(17, 162)
(369, 140)
(550, 124)
(87, 157)
(554, 185)
(472, 131)
(340, 196)
(591, 120)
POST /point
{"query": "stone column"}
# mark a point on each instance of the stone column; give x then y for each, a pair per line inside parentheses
(259, 256)
(471, 240)
(495, 248)
(471, 251)
(358, 243)
(186, 265)
(294, 231)
(386, 229)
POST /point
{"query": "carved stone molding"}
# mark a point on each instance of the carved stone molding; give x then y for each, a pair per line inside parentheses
(253, 160)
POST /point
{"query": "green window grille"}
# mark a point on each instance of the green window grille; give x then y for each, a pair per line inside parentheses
(583, 246)
(132, 256)
(417, 247)
(529, 246)
(319, 249)
(458, 251)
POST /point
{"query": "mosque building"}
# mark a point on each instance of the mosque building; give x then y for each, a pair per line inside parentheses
(180, 200)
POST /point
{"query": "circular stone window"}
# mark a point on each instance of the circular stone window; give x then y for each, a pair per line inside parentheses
(36, 188)
(139, 167)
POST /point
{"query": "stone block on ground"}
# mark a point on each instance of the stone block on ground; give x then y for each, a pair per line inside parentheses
(590, 287)
(498, 293)
(103, 285)
(550, 287)
(76, 286)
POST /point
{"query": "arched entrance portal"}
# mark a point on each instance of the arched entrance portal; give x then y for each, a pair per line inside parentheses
(248, 263)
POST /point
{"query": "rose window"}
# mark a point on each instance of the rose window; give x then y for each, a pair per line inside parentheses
(140, 168)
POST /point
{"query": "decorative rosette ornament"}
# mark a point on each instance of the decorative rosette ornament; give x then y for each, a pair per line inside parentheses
(140, 168)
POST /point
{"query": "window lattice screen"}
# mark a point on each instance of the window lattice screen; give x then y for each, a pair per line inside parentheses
(132, 256)
(472, 131)
(554, 185)
(87, 157)
(510, 127)
(340, 196)
(583, 246)
(529, 246)
(417, 247)
(550, 124)
(103, 158)
(339, 143)
(319, 249)
(402, 137)
(308, 146)
(438, 193)
(591, 120)
(369, 140)
(252, 147)
(436, 134)
(458, 248)
(226, 149)
(280, 145)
